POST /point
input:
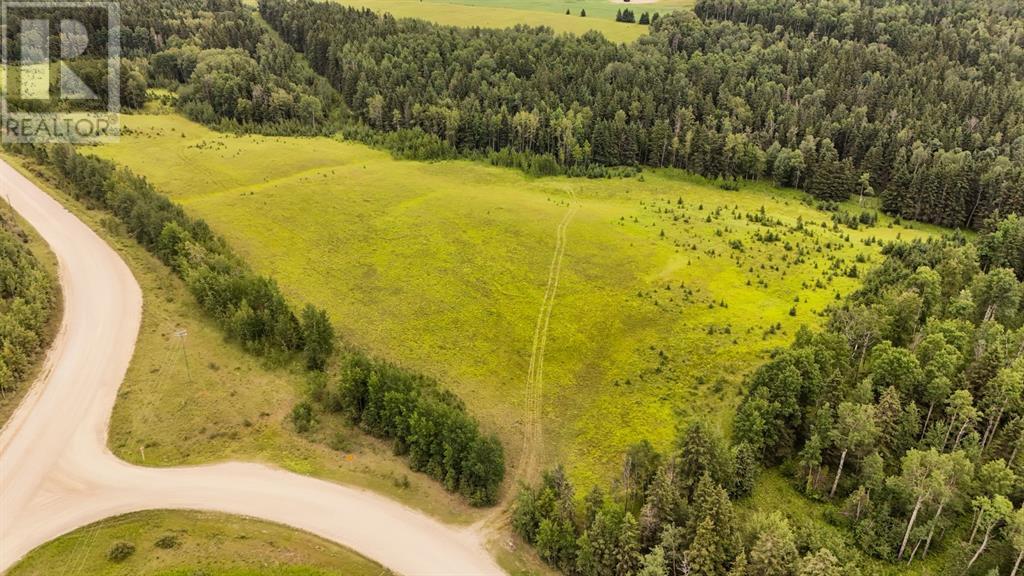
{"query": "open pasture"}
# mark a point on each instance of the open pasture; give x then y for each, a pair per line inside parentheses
(594, 8)
(506, 13)
(669, 289)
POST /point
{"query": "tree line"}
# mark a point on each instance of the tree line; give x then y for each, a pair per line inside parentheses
(629, 17)
(928, 120)
(668, 515)
(28, 293)
(913, 102)
(974, 33)
(249, 307)
(426, 423)
(836, 99)
(905, 413)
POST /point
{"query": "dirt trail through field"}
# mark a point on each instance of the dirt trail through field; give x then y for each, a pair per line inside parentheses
(532, 427)
(57, 474)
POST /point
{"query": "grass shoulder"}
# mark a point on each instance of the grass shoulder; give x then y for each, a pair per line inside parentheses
(180, 543)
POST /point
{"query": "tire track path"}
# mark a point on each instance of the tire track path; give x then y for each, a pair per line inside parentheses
(533, 428)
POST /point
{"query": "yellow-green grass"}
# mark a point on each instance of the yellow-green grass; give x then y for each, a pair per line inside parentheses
(204, 543)
(508, 13)
(442, 267)
(594, 8)
(9, 401)
(202, 399)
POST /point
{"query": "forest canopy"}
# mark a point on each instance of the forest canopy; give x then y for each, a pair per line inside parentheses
(919, 103)
(28, 302)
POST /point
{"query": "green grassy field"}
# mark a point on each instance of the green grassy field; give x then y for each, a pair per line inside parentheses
(204, 543)
(594, 8)
(205, 400)
(506, 13)
(668, 294)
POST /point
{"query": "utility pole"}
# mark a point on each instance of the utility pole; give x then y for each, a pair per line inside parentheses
(181, 334)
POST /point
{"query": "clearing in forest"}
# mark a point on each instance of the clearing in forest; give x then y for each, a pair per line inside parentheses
(506, 13)
(669, 291)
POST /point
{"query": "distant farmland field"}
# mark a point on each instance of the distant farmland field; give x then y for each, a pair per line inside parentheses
(506, 13)
(669, 291)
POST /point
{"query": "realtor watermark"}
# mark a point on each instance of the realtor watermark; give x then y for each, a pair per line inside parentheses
(60, 67)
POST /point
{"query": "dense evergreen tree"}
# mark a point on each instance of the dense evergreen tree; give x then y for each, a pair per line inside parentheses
(28, 300)
(425, 422)
(774, 551)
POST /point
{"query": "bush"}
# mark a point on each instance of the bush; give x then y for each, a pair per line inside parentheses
(120, 551)
(167, 542)
(415, 144)
(341, 442)
(529, 162)
(302, 417)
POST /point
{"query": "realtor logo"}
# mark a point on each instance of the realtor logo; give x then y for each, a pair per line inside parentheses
(60, 71)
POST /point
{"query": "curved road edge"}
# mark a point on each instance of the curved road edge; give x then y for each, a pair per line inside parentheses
(56, 473)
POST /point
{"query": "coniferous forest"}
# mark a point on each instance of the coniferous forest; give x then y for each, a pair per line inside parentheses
(906, 412)
(28, 293)
(919, 103)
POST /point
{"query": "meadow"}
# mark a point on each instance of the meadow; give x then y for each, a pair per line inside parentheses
(200, 399)
(594, 8)
(670, 289)
(177, 543)
(506, 13)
